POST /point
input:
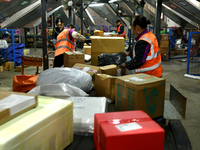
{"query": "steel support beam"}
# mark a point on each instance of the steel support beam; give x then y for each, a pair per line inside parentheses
(74, 17)
(44, 35)
(70, 15)
(134, 3)
(158, 19)
(82, 3)
(142, 3)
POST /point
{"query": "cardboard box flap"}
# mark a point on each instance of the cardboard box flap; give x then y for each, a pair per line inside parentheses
(86, 46)
(108, 67)
(138, 80)
(87, 68)
(105, 38)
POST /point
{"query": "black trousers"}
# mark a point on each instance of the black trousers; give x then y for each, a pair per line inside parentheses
(58, 60)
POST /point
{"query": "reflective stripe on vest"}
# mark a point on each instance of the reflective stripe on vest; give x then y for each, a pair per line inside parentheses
(64, 47)
(66, 40)
(148, 68)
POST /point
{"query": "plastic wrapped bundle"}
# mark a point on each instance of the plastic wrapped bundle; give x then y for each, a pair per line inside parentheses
(110, 59)
(71, 76)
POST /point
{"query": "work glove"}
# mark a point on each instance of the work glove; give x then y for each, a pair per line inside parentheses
(122, 65)
(88, 42)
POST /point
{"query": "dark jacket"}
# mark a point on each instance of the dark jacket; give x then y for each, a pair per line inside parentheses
(56, 32)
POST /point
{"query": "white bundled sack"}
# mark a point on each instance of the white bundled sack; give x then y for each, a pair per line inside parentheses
(66, 75)
(57, 90)
(3, 44)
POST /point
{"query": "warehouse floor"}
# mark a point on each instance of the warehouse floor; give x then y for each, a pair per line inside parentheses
(174, 71)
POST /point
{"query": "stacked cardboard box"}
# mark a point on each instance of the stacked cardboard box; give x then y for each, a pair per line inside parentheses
(105, 45)
(7, 66)
(71, 58)
(110, 70)
(140, 92)
(164, 44)
(87, 50)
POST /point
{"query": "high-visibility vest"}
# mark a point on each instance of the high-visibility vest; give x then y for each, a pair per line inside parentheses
(64, 43)
(122, 34)
(153, 61)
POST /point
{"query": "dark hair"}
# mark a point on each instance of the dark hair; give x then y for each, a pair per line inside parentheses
(118, 21)
(59, 20)
(140, 21)
(72, 26)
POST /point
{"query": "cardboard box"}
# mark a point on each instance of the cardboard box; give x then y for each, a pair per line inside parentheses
(109, 70)
(181, 51)
(140, 92)
(18, 68)
(87, 50)
(105, 86)
(15, 104)
(129, 130)
(7, 66)
(105, 45)
(164, 37)
(71, 58)
(92, 70)
(164, 51)
(164, 44)
(46, 126)
(1, 68)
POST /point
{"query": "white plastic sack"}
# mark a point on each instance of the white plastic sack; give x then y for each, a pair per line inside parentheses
(84, 109)
(66, 75)
(57, 90)
(178, 41)
(3, 44)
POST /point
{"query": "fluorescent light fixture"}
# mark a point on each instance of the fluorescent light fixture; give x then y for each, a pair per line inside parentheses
(97, 4)
(112, 1)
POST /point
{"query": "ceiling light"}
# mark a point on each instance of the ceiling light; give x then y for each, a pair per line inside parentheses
(94, 5)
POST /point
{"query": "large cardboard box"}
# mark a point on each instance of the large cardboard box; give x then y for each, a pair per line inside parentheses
(50, 125)
(7, 66)
(87, 50)
(105, 86)
(129, 130)
(92, 70)
(140, 92)
(110, 70)
(13, 104)
(105, 45)
(164, 37)
(164, 44)
(71, 58)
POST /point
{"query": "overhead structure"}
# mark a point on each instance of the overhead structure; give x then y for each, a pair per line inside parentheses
(27, 15)
(173, 15)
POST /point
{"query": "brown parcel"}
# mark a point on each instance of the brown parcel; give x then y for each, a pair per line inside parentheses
(87, 50)
(164, 44)
(105, 86)
(5, 115)
(140, 92)
(71, 58)
(8, 65)
(164, 51)
(92, 70)
(164, 37)
(105, 45)
(109, 70)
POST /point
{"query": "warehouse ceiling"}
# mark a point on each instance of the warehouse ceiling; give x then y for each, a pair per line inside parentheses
(174, 16)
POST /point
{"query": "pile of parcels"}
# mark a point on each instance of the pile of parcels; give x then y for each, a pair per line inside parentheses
(63, 107)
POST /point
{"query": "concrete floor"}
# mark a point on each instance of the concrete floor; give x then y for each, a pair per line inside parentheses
(174, 71)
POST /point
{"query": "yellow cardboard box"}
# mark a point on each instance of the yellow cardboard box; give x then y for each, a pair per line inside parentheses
(87, 50)
(105, 86)
(8, 66)
(71, 58)
(164, 44)
(105, 45)
(140, 92)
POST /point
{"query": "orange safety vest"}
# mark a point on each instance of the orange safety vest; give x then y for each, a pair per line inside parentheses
(153, 61)
(122, 34)
(64, 43)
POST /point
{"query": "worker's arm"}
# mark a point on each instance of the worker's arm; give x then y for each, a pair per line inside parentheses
(121, 30)
(78, 36)
(142, 49)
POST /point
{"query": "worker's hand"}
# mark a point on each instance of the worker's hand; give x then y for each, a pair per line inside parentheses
(122, 65)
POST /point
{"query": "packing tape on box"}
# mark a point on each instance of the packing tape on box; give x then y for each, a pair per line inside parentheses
(85, 69)
(120, 121)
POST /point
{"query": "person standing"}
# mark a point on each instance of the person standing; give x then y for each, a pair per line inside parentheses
(120, 29)
(146, 57)
(66, 43)
(58, 29)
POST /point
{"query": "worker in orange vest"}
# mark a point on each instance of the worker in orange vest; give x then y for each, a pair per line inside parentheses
(120, 29)
(65, 43)
(146, 57)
